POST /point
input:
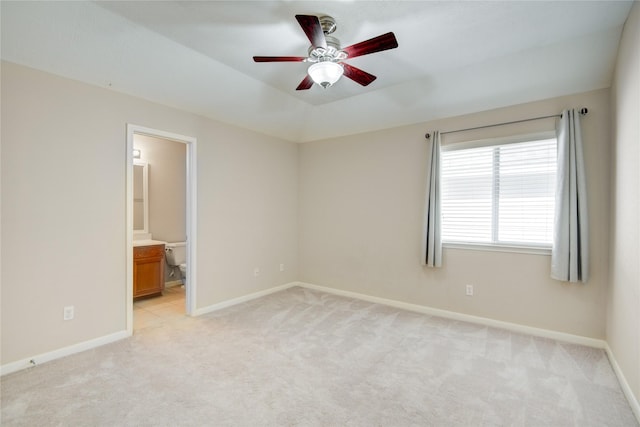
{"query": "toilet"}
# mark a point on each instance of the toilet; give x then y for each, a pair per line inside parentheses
(176, 254)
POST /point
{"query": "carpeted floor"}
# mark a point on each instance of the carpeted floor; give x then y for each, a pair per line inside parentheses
(306, 358)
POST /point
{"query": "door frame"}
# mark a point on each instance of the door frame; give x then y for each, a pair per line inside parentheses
(191, 210)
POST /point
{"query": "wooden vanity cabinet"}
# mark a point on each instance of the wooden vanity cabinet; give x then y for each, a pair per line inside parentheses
(148, 270)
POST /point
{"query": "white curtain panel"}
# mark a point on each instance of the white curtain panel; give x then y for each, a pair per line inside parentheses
(570, 253)
(432, 239)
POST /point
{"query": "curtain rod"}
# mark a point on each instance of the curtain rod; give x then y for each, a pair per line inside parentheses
(583, 111)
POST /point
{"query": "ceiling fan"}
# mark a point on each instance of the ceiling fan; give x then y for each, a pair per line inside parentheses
(327, 57)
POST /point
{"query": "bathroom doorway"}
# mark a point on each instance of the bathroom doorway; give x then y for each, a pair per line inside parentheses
(174, 157)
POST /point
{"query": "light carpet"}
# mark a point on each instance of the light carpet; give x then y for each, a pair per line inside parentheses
(306, 358)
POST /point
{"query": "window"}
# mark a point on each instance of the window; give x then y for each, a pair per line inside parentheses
(500, 194)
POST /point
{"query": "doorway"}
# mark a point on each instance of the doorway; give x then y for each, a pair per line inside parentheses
(190, 217)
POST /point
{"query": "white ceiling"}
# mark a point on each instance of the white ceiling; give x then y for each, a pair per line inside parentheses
(453, 57)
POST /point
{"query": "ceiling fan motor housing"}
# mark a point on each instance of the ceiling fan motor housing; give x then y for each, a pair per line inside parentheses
(331, 53)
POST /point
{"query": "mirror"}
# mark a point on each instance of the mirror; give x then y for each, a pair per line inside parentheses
(140, 196)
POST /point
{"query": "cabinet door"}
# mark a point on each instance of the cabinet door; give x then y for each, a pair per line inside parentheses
(148, 270)
(147, 276)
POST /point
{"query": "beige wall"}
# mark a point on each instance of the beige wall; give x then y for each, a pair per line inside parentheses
(350, 208)
(361, 218)
(167, 162)
(623, 308)
(63, 208)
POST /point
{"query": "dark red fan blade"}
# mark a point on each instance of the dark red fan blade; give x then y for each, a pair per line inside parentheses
(311, 26)
(279, 58)
(305, 84)
(376, 44)
(357, 75)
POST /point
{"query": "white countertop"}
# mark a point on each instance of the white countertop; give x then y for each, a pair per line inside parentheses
(148, 242)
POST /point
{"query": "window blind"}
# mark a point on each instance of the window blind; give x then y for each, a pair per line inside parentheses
(499, 194)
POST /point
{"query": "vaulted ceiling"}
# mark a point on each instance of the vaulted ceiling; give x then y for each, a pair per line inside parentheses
(453, 57)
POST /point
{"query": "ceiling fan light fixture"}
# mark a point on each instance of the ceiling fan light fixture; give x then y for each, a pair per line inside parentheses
(325, 73)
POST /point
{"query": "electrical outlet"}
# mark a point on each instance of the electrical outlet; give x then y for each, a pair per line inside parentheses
(281, 267)
(470, 290)
(68, 313)
(256, 272)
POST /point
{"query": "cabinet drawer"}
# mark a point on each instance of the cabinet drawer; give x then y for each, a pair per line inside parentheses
(156, 251)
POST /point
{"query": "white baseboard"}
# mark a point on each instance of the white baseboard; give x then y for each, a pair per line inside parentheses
(626, 389)
(172, 283)
(61, 352)
(244, 298)
(107, 339)
(514, 327)
(545, 333)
